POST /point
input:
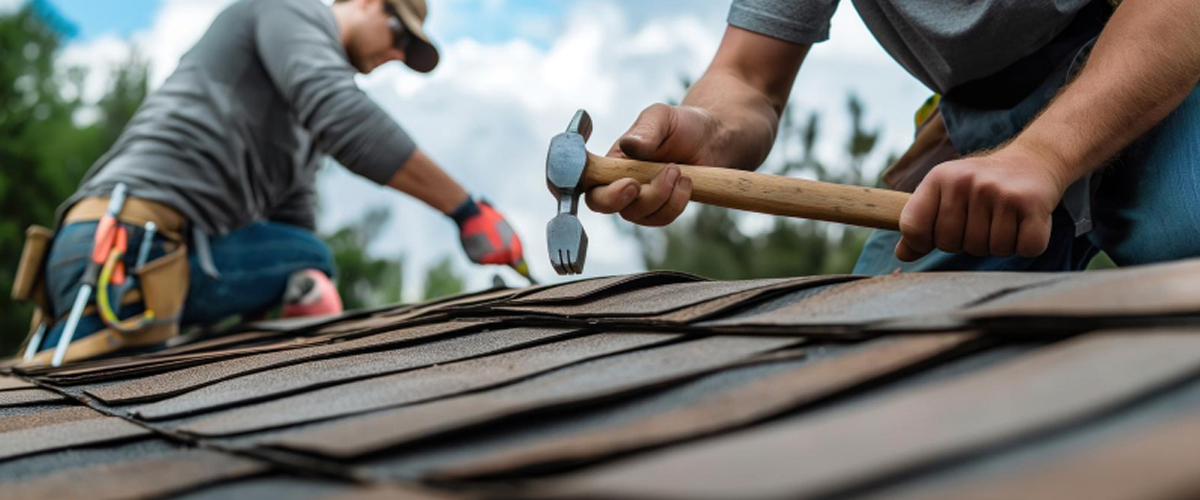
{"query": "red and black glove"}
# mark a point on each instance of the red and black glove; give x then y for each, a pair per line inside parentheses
(486, 236)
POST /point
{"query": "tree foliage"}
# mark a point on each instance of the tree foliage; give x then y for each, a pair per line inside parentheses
(365, 281)
(441, 280)
(44, 152)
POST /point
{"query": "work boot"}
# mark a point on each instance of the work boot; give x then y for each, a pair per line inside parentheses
(310, 293)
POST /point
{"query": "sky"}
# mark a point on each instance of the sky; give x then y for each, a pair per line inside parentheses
(512, 74)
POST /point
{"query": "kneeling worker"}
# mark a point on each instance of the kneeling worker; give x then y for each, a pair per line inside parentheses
(210, 189)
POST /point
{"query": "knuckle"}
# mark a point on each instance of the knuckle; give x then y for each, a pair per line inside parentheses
(1019, 201)
(1019, 198)
(652, 111)
(988, 190)
(911, 229)
(657, 194)
(960, 181)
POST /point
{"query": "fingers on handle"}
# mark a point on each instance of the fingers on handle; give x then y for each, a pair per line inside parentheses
(951, 223)
(905, 253)
(977, 234)
(674, 205)
(1033, 235)
(917, 221)
(655, 197)
(614, 197)
(1003, 239)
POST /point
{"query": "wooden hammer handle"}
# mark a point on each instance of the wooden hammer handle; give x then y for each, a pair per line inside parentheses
(764, 193)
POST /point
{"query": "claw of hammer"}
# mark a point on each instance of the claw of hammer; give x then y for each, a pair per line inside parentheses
(565, 163)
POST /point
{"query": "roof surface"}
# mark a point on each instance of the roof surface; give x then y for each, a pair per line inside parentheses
(657, 385)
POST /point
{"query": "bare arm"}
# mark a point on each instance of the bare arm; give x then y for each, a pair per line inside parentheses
(424, 180)
(728, 119)
(1144, 64)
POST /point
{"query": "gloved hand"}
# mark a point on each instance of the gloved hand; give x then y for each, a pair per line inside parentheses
(486, 236)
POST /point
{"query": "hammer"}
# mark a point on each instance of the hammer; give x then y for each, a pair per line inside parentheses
(571, 170)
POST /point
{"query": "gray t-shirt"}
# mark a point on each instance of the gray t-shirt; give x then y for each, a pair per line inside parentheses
(944, 43)
(238, 131)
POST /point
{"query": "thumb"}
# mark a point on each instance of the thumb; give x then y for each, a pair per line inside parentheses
(906, 253)
(644, 140)
(669, 134)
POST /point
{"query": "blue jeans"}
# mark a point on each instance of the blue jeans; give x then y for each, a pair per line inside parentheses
(254, 261)
(1145, 209)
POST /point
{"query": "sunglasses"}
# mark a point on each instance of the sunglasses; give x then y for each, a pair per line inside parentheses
(401, 37)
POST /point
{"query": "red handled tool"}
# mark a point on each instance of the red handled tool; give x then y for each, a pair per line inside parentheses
(110, 235)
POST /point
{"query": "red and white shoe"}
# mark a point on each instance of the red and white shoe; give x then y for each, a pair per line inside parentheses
(310, 293)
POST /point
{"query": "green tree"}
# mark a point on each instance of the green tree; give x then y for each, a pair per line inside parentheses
(365, 281)
(441, 280)
(43, 151)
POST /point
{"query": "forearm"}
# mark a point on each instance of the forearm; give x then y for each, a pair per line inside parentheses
(1146, 61)
(424, 180)
(746, 87)
(748, 119)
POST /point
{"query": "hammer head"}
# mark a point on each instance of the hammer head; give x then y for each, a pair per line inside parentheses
(565, 163)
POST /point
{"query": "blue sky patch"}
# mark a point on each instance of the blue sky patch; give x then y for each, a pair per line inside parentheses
(120, 18)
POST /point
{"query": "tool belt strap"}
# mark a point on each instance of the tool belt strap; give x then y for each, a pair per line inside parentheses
(103, 342)
(136, 212)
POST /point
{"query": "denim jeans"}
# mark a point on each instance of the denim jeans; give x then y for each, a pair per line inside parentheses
(254, 261)
(1145, 209)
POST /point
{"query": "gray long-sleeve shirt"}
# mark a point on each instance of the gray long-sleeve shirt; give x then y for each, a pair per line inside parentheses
(944, 43)
(237, 132)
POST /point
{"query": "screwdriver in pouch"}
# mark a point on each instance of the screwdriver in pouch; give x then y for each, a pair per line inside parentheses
(109, 233)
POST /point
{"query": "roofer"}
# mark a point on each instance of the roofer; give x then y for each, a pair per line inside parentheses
(219, 165)
(1012, 158)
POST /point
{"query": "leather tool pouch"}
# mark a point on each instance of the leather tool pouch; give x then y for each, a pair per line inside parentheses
(29, 284)
(931, 147)
(164, 283)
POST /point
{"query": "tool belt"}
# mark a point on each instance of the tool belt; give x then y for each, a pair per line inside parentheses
(931, 147)
(163, 282)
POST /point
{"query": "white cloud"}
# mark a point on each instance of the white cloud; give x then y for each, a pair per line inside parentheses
(177, 26)
(100, 57)
(487, 113)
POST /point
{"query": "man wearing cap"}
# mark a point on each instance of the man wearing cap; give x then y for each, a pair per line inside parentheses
(230, 146)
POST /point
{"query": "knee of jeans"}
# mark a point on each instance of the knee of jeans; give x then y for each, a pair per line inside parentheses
(321, 254)
(878, 255)
(325, 259)
(315, 254)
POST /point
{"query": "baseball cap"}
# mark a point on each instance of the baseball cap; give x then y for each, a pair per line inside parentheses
(422, 55)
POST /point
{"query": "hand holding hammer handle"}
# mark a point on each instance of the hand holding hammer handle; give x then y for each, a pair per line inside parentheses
(763, 193)
(571, 170)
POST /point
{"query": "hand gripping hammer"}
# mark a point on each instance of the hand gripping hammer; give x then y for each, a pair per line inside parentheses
(571, 170)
